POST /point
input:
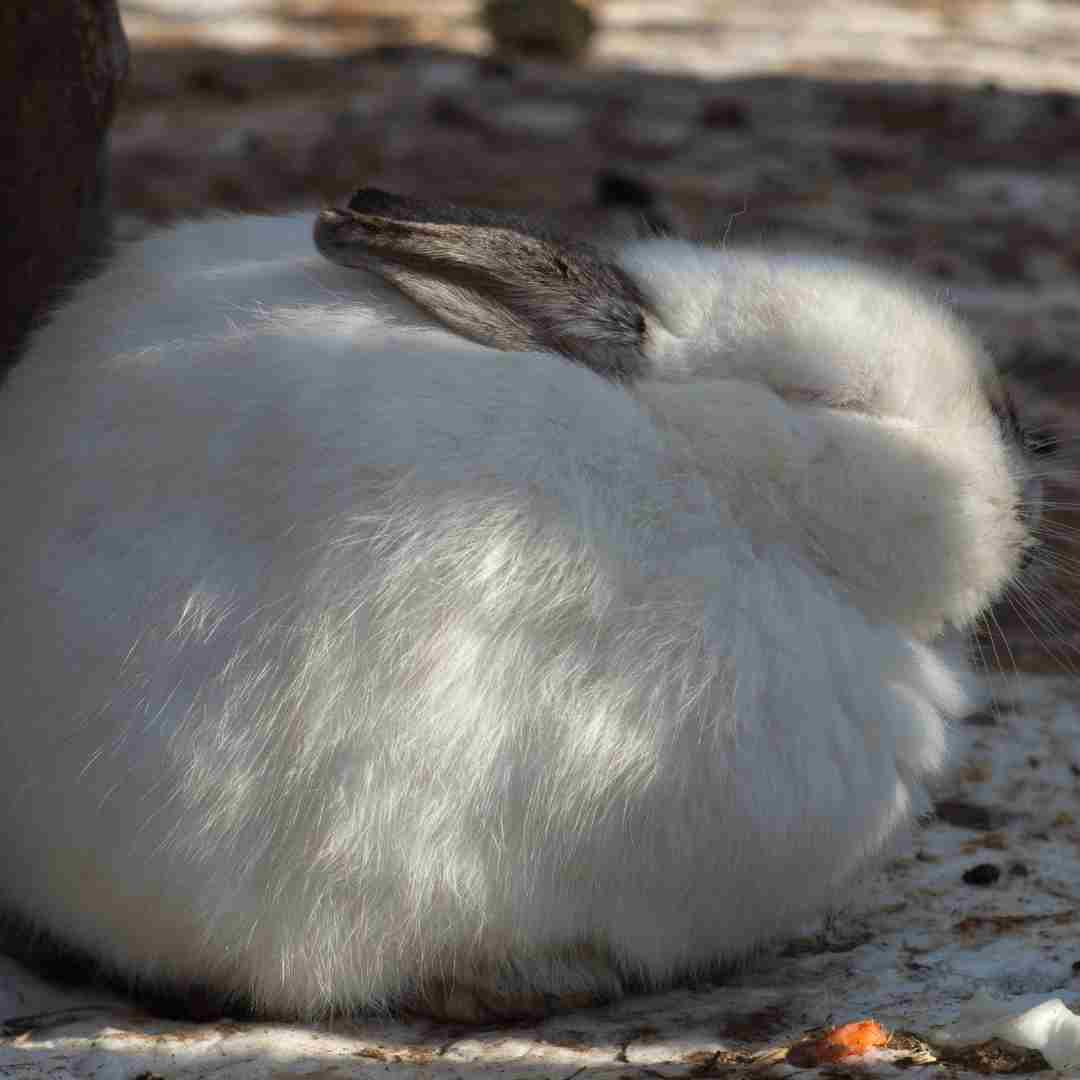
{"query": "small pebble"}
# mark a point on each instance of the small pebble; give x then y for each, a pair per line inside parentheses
(725, 113)
(494, 67)
(965, 815)
(450, 112)
(983, 874)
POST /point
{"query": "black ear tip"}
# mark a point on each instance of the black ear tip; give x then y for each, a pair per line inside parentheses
(372, 200)
(614, 188)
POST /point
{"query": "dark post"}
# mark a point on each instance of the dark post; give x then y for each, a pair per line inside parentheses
(62, 63)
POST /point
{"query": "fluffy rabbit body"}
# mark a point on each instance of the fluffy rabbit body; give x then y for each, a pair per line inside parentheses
(354, 663)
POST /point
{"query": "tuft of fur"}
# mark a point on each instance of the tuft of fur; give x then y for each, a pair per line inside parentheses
(354, 664)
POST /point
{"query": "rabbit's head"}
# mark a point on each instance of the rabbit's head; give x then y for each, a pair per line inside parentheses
(841, 415)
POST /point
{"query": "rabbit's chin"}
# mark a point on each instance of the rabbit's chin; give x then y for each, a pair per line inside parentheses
(914, 525)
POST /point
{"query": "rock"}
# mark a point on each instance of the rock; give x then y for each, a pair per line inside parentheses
(62, 63)
(555, 29)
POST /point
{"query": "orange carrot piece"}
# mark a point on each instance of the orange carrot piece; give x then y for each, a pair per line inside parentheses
(849, 1040)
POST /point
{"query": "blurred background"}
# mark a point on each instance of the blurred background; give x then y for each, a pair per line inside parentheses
(255, 104)
(1031, 43)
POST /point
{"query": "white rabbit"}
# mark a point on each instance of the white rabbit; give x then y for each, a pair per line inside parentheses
(353, 664)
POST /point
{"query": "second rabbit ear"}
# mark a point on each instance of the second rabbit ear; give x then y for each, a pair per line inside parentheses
(494, 278)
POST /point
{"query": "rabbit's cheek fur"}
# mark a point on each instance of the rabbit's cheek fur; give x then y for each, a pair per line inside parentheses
(919, 526)
(750, 446)
(913, 525)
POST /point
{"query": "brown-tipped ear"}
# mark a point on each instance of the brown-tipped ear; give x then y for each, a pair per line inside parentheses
(494, 278)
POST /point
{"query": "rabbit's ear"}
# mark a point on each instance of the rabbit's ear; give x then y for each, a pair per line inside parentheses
(493, 277)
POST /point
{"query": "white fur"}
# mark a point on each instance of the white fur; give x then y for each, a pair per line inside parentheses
(344, 656)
